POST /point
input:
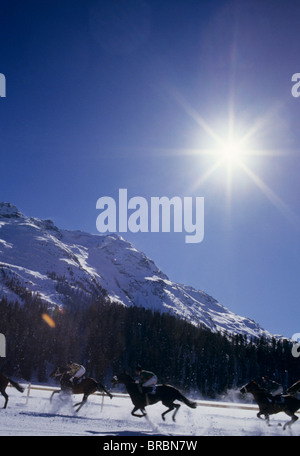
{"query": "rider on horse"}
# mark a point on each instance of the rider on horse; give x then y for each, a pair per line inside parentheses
(147, 380)
(274, 390)
(76, 371)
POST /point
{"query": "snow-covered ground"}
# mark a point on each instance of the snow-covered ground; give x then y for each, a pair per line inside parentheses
(36, 416)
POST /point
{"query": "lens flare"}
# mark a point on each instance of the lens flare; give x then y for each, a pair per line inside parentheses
(47, 319)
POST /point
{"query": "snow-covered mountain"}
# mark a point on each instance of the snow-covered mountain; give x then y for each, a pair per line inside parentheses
(37, 256)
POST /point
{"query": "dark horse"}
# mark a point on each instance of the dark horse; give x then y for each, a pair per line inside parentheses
(4, 381)
(167, 394)
(285, 403)
(86, 387)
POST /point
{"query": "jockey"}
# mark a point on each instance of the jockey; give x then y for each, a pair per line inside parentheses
(76, 371)
(272, 387)
(274, 390)
(146, 379)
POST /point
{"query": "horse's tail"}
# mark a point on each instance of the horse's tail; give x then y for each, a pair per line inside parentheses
(16, 385)
(101, 388)
(186, 401)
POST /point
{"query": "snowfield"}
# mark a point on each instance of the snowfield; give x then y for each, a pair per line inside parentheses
(36, 416)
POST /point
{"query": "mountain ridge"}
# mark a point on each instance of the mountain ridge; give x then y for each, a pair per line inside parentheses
(57, 263)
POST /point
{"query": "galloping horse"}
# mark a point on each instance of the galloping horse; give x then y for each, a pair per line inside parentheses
(167, 394)
(4, 381)
(286, 403)
(86, 387)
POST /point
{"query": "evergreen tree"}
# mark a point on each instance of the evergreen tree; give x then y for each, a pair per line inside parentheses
(108, 338)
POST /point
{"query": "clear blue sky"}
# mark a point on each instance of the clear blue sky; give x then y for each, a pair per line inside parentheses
(103, 95)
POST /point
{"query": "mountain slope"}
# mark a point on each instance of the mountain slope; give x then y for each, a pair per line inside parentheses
(60, 264)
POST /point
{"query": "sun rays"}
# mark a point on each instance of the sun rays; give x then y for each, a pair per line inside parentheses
(232, 148)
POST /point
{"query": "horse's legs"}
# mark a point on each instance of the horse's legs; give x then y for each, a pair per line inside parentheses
(56, 391)
(81, 403)
(266, 417)
(5, 397)
(289, 423)
(101, 388)
(171, 407)
(86, 394)
(139, 416)
(177, 408)
(78, 403)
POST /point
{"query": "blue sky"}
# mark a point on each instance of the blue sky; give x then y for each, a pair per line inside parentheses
(142, 95)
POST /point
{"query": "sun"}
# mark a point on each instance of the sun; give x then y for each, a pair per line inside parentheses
(234, 153)
(232, 150)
